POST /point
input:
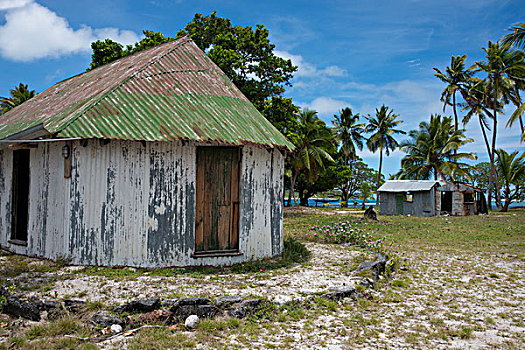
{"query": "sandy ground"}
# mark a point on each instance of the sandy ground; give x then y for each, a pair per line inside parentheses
(445, 300)
(328, 268)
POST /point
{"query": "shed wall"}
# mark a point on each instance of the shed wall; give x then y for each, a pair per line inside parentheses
(423, 203)
(133, 204)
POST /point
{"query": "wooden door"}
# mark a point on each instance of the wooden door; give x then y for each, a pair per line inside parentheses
(399, 204)
(217, 199)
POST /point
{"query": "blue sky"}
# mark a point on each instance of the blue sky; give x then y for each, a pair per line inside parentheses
(359, 54)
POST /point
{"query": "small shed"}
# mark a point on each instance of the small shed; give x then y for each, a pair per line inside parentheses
(460, 199)
(153, 160)
(409, 197)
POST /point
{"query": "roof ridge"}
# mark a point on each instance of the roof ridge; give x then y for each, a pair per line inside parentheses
(182, 41)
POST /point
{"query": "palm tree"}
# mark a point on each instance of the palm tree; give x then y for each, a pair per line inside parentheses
(477, 102)
(516, 37)
(382, 128)
(455, 77)
(348, 132)
(500, 62)
(19, 94)
(313, 144)
(512, 171)
(432, 150)
(516, 75)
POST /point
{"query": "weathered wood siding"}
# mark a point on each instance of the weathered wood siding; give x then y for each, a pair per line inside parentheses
(423, 203)
(132, 204)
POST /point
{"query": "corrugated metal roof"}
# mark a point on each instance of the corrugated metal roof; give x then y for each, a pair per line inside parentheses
(170, 92)
(407, 185)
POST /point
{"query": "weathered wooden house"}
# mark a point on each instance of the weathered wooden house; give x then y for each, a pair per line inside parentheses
(409, 197)
(460, 199)
(153, 160)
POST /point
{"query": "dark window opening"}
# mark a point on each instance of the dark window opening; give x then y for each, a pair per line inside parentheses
(20, 195)
(446, 201)
(468, 198)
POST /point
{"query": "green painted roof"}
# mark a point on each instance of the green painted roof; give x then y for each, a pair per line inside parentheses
(170, 92)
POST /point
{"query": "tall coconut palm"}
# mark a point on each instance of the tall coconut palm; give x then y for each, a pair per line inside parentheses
(313, 144)
(382, 126)
(348, 132)
(500, 62)
(516, 37)
(455, 76)
(478, 102)
(512, 172)
(433, 150)
(19, 94)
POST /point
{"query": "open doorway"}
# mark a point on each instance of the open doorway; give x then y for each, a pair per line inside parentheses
(446, 201)
(20, 196)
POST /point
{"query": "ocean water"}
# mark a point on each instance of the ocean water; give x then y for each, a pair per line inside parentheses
(332, 202)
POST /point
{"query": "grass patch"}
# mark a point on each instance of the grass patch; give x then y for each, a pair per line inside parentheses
(160, 338)
(294, 252)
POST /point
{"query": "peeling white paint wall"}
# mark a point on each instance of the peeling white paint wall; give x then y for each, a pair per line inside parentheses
(132, 204)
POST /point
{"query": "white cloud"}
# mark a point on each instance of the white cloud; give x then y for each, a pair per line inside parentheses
(326, 106)
(309, 70)
(10, 4)
(32, 31)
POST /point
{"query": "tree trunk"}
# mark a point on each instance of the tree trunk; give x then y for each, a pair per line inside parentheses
(490, 157)
(292, 186)
(505, 207)
(455, 115)
(379, 173)
(493, 152)
(518, 104)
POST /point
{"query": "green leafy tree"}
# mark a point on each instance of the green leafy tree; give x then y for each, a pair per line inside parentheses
(432, 150)
(245, 54)
(455, 76)
(347, 178)
(108, 50)
(382, 127)
(512, 170)
(313, 148)
(282, 113)
(307, 189)
(19, 95)
(366, 190)
(105, 52)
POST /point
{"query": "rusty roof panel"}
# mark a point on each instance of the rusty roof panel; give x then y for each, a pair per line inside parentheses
(408, 185)
(170, 92)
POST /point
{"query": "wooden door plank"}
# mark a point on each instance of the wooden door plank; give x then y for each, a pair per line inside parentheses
(235, 199)
(199, 202)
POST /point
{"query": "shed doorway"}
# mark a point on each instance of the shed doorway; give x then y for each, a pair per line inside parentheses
(217, 200)
(446, 201)
(20, 196)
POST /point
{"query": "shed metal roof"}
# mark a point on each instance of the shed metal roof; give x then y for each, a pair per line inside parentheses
(170, 92)
(408, 185)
